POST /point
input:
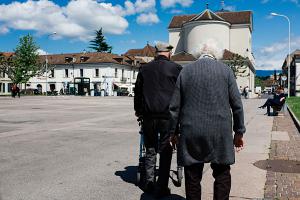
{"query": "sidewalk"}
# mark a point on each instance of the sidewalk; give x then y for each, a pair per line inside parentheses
(248, 181)
(281, 185)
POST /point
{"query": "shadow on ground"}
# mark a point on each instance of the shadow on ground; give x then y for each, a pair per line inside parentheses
(128, 175)
(145, 196)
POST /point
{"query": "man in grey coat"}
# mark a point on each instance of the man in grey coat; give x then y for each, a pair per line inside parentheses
(205, 101)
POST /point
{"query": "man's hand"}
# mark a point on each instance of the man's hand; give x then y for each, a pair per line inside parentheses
(238, 142)
(174, 140)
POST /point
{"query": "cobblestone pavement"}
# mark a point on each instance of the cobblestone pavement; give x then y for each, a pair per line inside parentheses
(284, 185)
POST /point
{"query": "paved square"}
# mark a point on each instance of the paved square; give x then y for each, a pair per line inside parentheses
(86, 148)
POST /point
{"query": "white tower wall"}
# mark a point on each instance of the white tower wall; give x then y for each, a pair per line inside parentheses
(197, 32)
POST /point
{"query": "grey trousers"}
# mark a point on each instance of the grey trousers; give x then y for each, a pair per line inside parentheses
(154, 144)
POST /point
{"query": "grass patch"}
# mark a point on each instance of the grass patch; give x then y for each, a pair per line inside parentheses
(294, 105)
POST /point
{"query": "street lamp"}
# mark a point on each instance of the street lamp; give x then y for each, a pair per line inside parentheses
(54, 33)
(289, 56)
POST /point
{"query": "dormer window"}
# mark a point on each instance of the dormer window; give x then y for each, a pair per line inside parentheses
(83, 58)
(68, 59)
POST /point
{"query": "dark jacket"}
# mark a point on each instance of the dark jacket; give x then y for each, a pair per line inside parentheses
(205, 101)
(277, 98)
(154, 88)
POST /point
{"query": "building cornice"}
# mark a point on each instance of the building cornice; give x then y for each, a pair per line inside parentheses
(187, 24)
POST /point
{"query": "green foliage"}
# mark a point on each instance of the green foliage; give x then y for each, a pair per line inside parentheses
(99, 44)
(260, 81)
(294, 105)
(24, 64)
(238, 64)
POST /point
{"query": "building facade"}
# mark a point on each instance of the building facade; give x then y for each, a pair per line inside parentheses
(98, 72)
(232, 30)
(294, 73)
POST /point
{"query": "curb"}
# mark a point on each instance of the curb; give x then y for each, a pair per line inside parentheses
(296, 121)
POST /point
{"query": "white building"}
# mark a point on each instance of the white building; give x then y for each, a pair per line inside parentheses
(232, 30)
(294, 73)
(102, 71)
(5, 82)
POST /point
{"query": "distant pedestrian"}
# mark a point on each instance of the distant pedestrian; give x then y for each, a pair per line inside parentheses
(241, 91)
(18, 91)
(205, 99)
(13, 90)
(154, 88)
(246, 92)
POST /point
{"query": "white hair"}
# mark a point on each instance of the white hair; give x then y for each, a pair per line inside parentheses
(209, 46)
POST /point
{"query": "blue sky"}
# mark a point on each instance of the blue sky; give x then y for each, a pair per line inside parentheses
(130, 24)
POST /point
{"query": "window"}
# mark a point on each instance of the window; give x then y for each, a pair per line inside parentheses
(52, 73)
(134, 75)
(2, 74)
(116, 73)
(0, 87)
(81, 72)
(3, 85)
(122, 74)
(96, 72)
(9, 87)
(66, 73)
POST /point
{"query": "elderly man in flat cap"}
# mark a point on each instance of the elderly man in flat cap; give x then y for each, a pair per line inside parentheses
(154, 88)
(205, 101)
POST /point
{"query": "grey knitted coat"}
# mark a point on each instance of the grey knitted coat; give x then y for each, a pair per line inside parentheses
(205, 101)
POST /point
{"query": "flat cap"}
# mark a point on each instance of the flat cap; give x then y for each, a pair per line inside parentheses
(163, 47)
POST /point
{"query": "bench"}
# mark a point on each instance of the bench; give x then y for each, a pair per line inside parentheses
(277, 108)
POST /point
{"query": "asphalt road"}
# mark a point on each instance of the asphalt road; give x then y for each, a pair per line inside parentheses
(70, 148)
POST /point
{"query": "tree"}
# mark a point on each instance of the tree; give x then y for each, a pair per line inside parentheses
(24, 64)
(99, 44)
(238, 64)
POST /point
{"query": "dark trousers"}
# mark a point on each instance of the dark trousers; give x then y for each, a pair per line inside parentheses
(154, 145)
(193, 177)
(269, 103)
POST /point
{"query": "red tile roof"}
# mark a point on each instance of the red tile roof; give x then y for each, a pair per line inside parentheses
(7, 54)
(147, 51)
(183, 56)
(94, 57)
(241, 17)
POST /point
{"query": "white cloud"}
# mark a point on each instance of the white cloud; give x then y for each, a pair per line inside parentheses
(77, 20)
(175, 11)
(147, 19)
(230, 8)
(145, 5)
(140, 6)
(3, 30)
(172, 3)
(272, 56)
(41, 52)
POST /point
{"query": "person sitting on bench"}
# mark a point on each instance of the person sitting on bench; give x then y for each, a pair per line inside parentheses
(277, 101)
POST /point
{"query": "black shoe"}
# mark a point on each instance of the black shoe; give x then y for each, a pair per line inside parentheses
(161, 193)
(262, 107)
(269, 114)
(149, 188)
